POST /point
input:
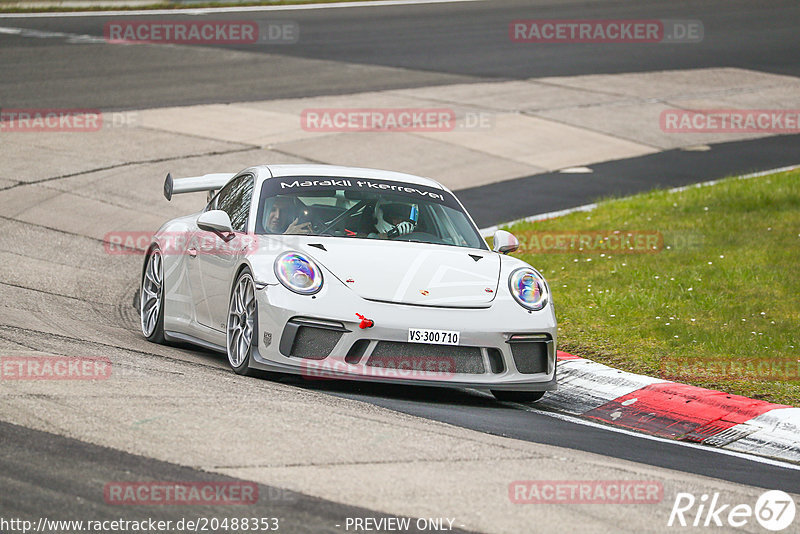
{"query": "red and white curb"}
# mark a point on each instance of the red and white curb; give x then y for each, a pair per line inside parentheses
(672, 410)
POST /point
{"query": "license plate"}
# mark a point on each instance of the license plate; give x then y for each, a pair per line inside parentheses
(436, 337)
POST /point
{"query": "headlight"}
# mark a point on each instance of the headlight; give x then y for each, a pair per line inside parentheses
(298, 273)
(528, 288)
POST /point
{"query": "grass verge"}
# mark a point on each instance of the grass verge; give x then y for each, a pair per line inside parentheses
(708, 295)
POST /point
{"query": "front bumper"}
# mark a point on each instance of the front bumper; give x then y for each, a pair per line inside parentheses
(502, 347)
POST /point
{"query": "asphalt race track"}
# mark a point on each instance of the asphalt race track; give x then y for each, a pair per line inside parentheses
(432, 44)
(61, 465)
(320, 452)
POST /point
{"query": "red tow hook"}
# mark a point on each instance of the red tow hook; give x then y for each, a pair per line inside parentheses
(365, 323)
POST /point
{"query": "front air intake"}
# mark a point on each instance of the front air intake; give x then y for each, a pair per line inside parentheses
(310, 339)
(440, 358)
(530, 352)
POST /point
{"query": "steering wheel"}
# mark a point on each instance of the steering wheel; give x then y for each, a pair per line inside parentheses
(317, 224)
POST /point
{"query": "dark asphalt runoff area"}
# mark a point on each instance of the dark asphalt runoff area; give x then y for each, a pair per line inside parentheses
(554, 191)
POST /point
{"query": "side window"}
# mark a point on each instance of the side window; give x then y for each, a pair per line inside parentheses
(234, 199)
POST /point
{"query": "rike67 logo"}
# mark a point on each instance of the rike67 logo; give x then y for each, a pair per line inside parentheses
(774, 510)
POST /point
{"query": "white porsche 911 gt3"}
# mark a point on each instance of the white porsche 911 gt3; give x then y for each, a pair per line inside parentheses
(348, 273)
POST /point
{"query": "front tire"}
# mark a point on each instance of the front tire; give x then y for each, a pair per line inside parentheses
(242, 326)
(517, 396)
(151, 298)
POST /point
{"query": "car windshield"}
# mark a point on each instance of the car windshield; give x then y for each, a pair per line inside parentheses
(364, 208)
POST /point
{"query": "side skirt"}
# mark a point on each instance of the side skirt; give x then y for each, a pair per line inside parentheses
(186, 338)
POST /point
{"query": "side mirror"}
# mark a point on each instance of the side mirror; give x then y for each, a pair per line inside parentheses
(215, 221)
(504, 242)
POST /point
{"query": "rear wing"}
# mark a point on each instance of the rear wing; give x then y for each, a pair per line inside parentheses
(207, 182)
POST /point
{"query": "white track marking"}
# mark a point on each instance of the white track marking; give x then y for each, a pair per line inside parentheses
(489, 230)
(576, 170)
(38, 34)
(232, 9)
(742, 177)
(486, 232)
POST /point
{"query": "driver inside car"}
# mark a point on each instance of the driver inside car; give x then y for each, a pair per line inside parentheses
(394, 219)
(283, 218)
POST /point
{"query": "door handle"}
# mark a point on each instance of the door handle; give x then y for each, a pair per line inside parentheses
(192, 252)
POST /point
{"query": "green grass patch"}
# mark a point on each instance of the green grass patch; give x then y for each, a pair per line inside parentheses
(717, 304)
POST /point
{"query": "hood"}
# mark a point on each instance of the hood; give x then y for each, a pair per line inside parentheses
(407, 273)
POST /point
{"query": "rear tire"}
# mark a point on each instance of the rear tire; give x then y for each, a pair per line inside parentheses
(151, 298)
(517, 396)
(242, 324)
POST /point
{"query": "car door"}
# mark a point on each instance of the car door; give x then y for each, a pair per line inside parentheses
(196, 246)
(217, 258)
(198, 298)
